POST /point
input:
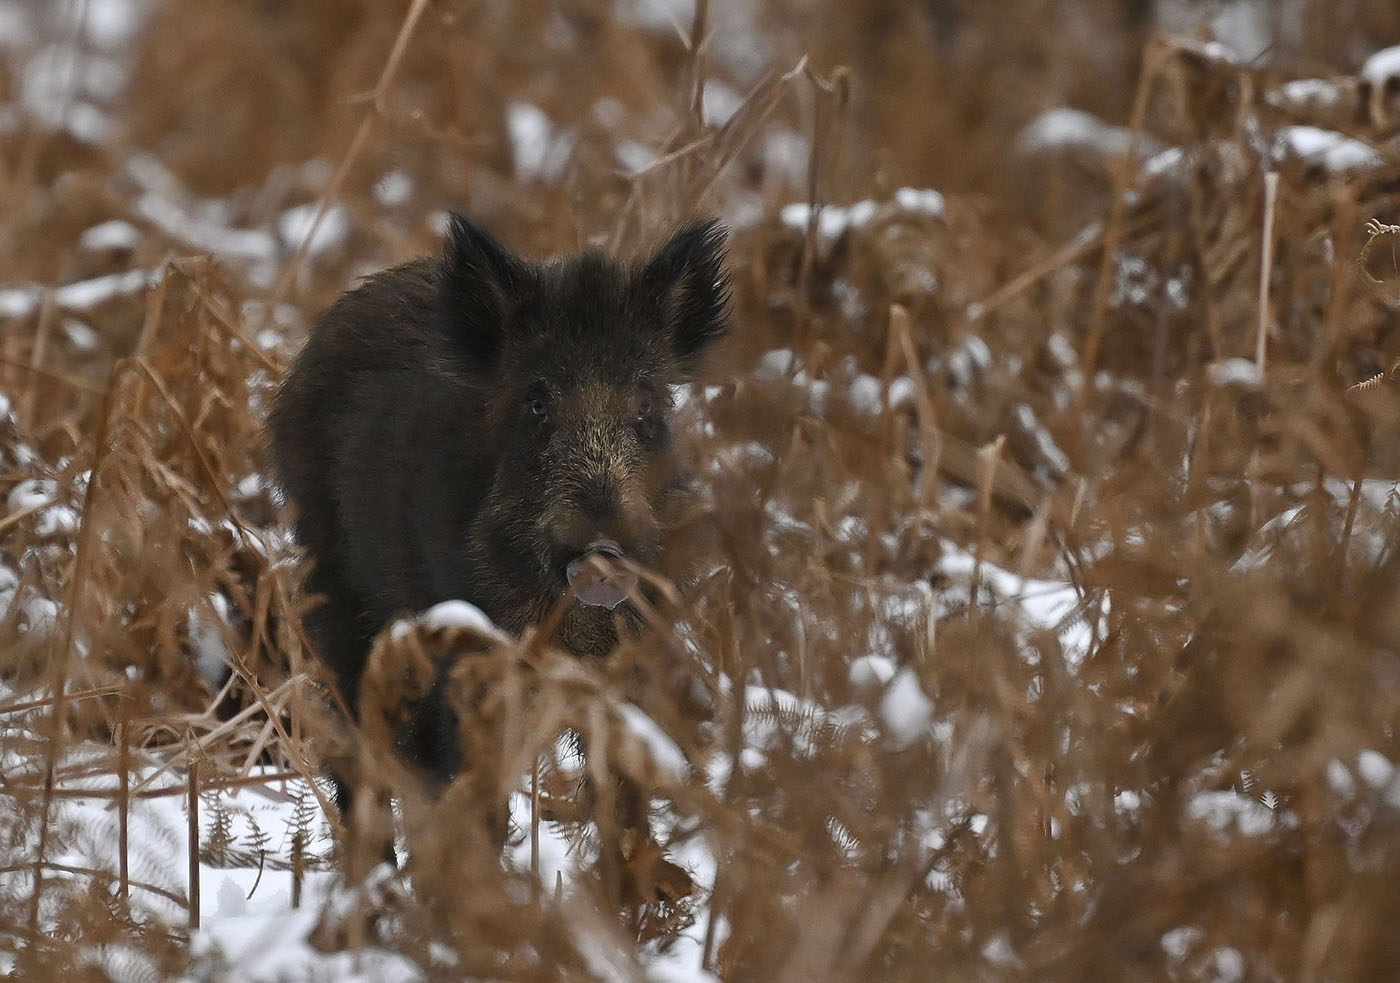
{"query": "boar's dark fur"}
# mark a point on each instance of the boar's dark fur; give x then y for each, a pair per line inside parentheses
(465, 426)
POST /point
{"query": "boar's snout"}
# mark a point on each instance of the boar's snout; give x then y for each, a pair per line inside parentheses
(613, 532)
(601, 521)
(598, 578)
(597, 551)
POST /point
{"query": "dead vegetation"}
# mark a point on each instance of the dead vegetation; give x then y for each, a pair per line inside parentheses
(1041, 623)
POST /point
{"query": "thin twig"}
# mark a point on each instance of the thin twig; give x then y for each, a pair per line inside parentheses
(71, 381)
(87, 694)
(357, 144)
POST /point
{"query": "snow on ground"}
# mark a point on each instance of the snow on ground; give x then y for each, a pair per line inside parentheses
(834, 220)
(1377, 503)
(1334, 152)
(1235, 372)
(1064, 127)
(1382, 67)
(905, 710)
(1308, 95)
(264, 938)
(1034, 605)
(250, 930)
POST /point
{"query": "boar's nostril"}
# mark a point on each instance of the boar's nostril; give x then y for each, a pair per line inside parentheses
(605, 547)
(606, 550)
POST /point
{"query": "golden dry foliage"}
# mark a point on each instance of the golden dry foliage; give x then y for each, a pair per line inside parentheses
(1040, 614)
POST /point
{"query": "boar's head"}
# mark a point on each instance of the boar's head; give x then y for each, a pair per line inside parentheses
(574, 362)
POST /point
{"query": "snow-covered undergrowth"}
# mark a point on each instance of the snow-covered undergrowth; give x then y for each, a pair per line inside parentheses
(1035, 626)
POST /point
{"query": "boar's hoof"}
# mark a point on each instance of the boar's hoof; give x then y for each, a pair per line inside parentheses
(598, 581)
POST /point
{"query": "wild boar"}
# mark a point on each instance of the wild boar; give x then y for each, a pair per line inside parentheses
(475, 426)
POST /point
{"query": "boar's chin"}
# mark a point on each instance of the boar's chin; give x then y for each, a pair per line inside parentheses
(588, 630)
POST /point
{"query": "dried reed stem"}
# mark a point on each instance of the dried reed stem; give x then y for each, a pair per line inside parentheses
(48, 313)
(155, 307)
(821, 158)
(988, 458)
(697, 42)
(298, 865)
(114, 794)
(535, 830)
(124, 800)
(14, 519)
(192, 806)
(1114, 230)
(1071, 252)
(923, 405)
(731, 139)
(1341, 276)
(82, 564)
(64, 378)
(1266, 266)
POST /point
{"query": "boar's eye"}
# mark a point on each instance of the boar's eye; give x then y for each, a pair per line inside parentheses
(650, 420)
(539, 407)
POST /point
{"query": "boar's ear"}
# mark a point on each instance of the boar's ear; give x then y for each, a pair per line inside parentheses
(480, 281)
(688, 276)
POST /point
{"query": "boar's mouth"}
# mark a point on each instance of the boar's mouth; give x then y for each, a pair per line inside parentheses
(598, 580)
